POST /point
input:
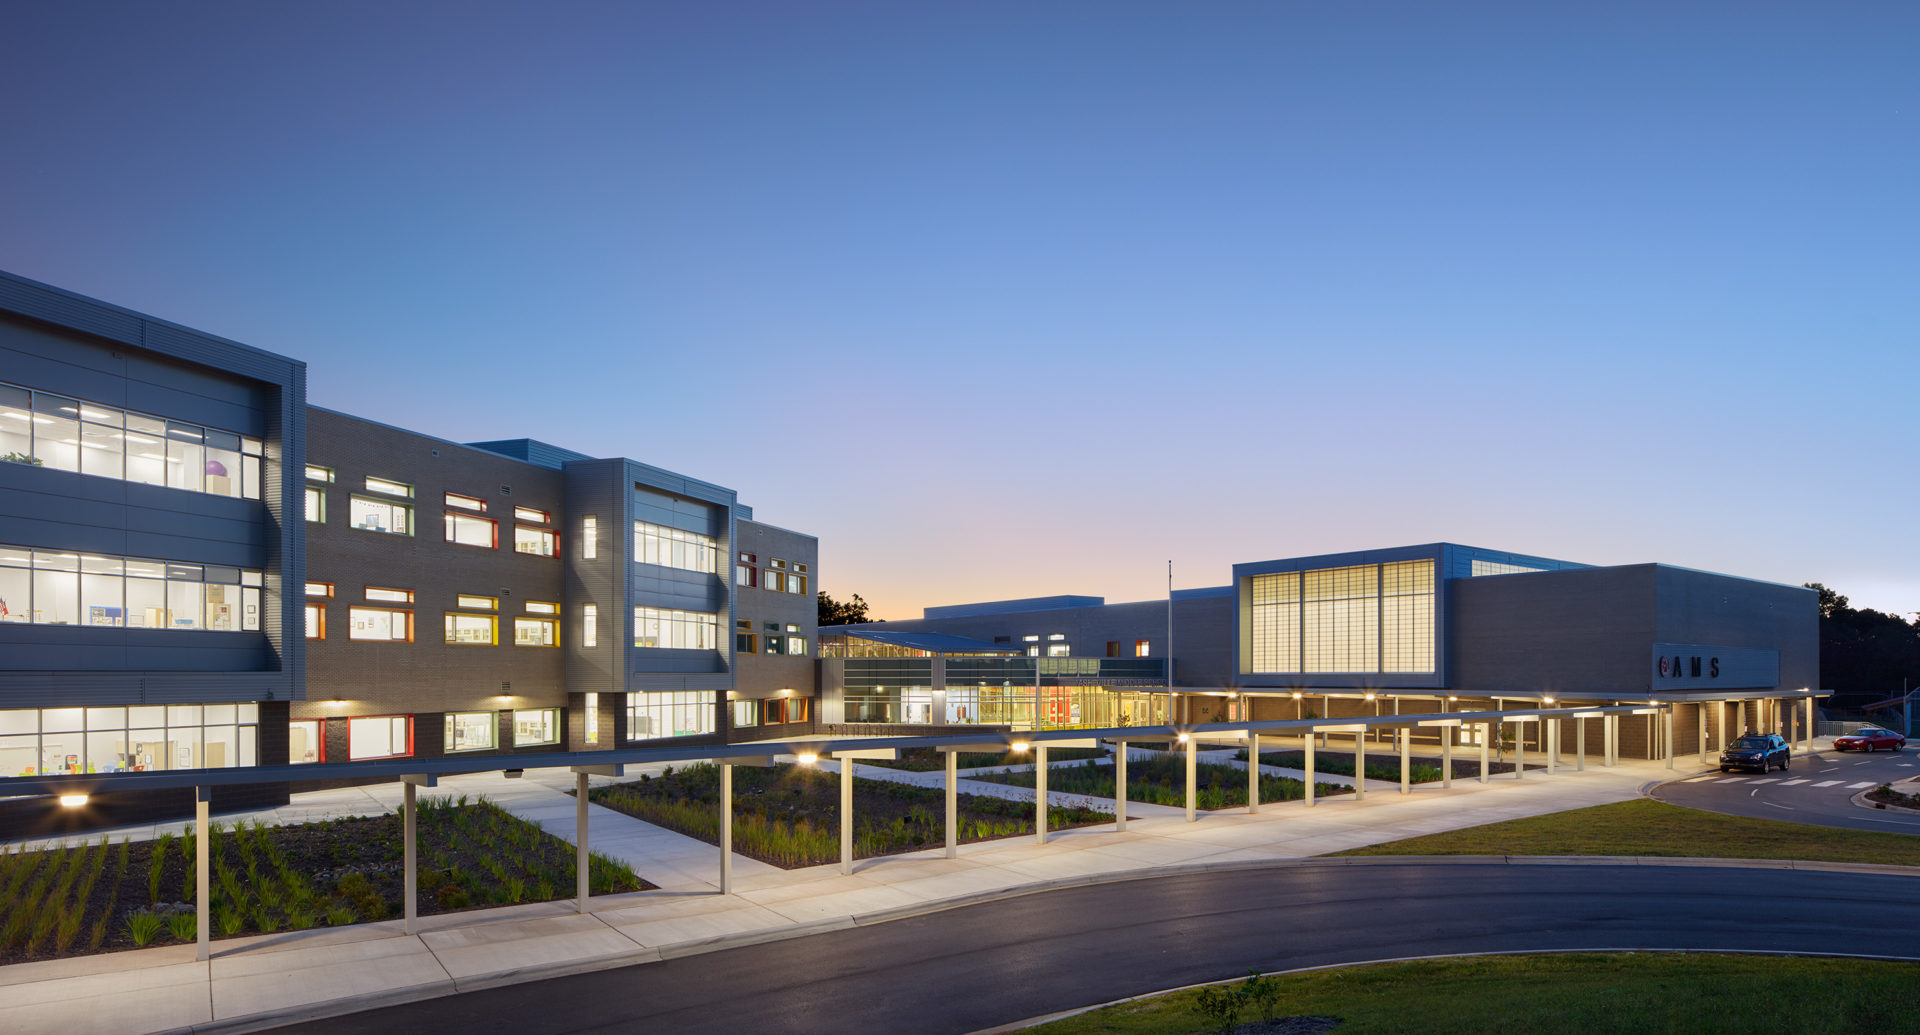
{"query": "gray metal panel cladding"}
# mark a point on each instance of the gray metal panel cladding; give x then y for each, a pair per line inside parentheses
(597, 488)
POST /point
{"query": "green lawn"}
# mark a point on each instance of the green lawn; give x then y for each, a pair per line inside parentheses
(1576, 993)
(1647, 827)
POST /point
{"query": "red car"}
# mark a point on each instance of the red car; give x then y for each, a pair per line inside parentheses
(1870, 738)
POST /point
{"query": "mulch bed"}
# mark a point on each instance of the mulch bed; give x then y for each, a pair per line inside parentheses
(789, 815)
(91, 896)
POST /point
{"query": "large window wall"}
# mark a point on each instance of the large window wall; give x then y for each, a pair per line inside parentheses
(1360, 619)
(46, 430)
(675, 548)
(672, 713)
(665, 627)
(141, 738)
(57, 587)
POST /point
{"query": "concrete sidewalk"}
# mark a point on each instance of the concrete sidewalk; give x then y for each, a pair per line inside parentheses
(262, 980)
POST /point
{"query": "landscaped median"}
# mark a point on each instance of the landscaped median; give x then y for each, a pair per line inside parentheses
(98, 896)
(789, 815)
(1644, 827)
(1162, 780)
(1576, 993)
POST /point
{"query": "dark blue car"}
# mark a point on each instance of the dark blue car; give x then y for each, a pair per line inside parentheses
(1756, 751)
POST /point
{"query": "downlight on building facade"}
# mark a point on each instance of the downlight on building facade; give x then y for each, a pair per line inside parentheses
(198, 570)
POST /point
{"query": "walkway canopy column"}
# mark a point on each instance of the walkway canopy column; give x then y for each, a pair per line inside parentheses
(1806, 743)
(1253, 773)
(952, 757)
(1192, 776)
(1486, 751)
(580, 848)
(203, 938)
(410, 842)
(1313, 736)
(846, 760)
(1119, 786)
(1406, 760)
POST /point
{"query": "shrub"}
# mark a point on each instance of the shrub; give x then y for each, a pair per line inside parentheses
(142, 926)
(184, 927)
(1222, 1005)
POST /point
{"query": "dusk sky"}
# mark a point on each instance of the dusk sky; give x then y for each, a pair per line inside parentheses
(1015, 299)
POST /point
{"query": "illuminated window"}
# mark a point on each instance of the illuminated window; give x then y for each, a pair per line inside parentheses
(542, 607)
(57, 587)
(390, 488)
(469, 530)
(379, 624)
(319, 589)
(476, 603)
(539, 542)
(39, 429)
(674, 548)
(1142, 648)
(673, 713)
(379, 736)
(589, 538)
(317, 473)
(538, 517)
(746, 571)
(472, 630)
(796, 643)
(304, 743)
(589, 625)
(666, 627)
(536, 726)
(372, 515)
(316, 622)
(745, 714)
(390, 596)
(475, 504)
(316, 505)
(536, 632)
(470, 731)
(1059, 650)
(1360, 618)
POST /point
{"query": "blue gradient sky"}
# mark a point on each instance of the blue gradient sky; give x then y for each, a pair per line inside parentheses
(1007, 299)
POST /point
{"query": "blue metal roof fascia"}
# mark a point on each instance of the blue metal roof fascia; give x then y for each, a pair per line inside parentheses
(937, 642)
(533, 451)
(1337, 560)
(95, 783)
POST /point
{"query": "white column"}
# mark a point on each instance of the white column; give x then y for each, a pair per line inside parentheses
(726, 828)
(410, 877)
(1360, 766)
(1580, 748)
(846, 815)
(1192, 777)
(1553, 745)
(580, 842)
(1312, 735)
(1253, 773)
(1446, 756)
(953, 805)
(1120, 787)
(1700, 719)
(1406, 759)
(1486, 751)
(203, 937)
(1669, 736)
(1807, 744)
(1520, 751)
(1040, 794)
(1724, 739)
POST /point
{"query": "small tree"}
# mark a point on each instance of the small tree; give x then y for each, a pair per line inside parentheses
(1222, 1004)
(848, 612)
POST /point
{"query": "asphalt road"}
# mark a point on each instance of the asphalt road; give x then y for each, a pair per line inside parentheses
(1819, 789)
(999, 962)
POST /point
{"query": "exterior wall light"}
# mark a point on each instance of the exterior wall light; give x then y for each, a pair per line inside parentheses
(1546, 700)
(1183, 738)
(1297, 695)
(1018, 745)
(1371, 696)
(806, 758)
(73, 801)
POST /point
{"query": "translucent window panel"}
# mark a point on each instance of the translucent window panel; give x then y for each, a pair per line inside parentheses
(316, 622)
(56, 431)
(250, 477)
(316, 505)
(147, 749)
(473, 630)
(223, 607)
(56, 720)
(147, 715)
(16, 595)
(220, 715)
(675, 713)
(250, 609)
(746, 713)
(247, 713)
(106, 718)
(589, 626)
(101, 451)
(222, 747)
(538, 517)
(303, 741)
(589, 538)
(186, 457)
(539, 726)
(674, 548)
(107, 752)
(146, 456)
(797, 646)
(63, 752)
(147, 604)
(382, 736)
(391, 488)
(20, 720)
(184, 603)
(249, 737)
(183, 715)
(19, 756)
(468, 530)
(16, 422)
(56, 597)
(469, 731)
